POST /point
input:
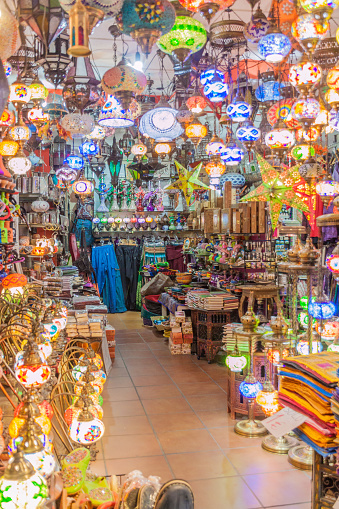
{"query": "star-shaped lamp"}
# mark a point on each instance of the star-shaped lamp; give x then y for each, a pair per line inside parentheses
(278, 188)
(188, 181)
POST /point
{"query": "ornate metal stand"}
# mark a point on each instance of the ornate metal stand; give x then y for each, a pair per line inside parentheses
(250, 427)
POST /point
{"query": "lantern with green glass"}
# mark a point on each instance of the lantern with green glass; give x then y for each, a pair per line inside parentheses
(187, 36)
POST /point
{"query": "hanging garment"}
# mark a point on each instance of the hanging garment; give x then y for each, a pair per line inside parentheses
(175, 258)
(128, 258)
(107, 270)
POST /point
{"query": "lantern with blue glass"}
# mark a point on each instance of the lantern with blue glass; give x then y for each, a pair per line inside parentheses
(269, 91)
(209, 75)
(237, 180)
(274, 46)
(89, 148)
(321, 310)
(216, 89)
(215, 146)
(232, 155)
(75, 162)
(239, 110)
(247, 134)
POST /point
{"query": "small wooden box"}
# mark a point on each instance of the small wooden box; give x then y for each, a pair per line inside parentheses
(226, 221)
(212, 221)
(254, 216)
(227, 197)
(261, 217)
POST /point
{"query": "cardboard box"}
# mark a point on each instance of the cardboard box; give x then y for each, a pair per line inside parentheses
(176, 338)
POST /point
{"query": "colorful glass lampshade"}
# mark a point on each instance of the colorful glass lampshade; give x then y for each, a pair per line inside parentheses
(257, 27)
(112, 114)
(273, 355)
(20, 132)
(98, 133)
(216, 89)
(89, 148)
(310, 134)
(239, 111)
(269, 91)
(309, 31)
(21, 485)
(304, 75)
(247, 134)
(187, 36)
(215, 146)
(280, 139)
(73, 411)
(77, 125)
(332, 263)
(236, 362)
(19, 94)
(250, 387)
(74, 162)
(123, 81)
(38, 117)
(7, 68)
(162, 149)
(274, 47)
(322, 119)
(306, 110)
(237, 180)
(185, 115)
(14, 283)
(86, 429)
(333, 78)
(196, 132)
(196, 103)
(19, 164)
(321, 310)
(66, 174)
(33, 371)
(38, 91)
(267, 398)
(215, 168)
(232, 155)
(304, 301)
(8, 147)
(303, 347)
(320, 8)
(327, 189)
(333, 118)
(161, 123)
(206, 8)
(146, 22)
(302, 152)
(328, 330)
(83, 187)
(7, 118)
(139, 149)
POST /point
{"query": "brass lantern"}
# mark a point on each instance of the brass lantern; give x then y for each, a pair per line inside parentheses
(79, 30)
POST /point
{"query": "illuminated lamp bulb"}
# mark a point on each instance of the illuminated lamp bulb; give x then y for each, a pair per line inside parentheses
(83, 187)
(332, 97)
(274, 46)
(327, 189)
(303, 347)
(19, 164)
(134, 219)
(139, 149)
(184, 115)
(302, 152)
(280, 140)
(42, 461)
(14, 283)
(19, 94)
(7, 68)
(215, 146)
(21, 486)
(148, 220)
(239, 110)
(162, 149)
(321, 310)
(34, 371)
(215, 168)
(232, 155)
(250, 387)
(196, 103)
(329, 329)
(309, 31)
(8, 147)
(306, 110)
(86, 429)
(310, 134)
(45, 348)
(322, 9)
(304, 75)
(75, 162)
(38, 91)
(235, 361)
(267, 398)
(196, 132)
(273, 355)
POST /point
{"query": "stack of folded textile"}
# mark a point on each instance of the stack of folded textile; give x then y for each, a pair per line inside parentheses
(307, 386)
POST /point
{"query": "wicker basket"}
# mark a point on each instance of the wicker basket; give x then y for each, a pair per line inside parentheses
(184, 278)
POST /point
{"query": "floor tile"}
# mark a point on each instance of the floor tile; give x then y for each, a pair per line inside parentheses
(129, 340)
(140, 370)
(137, 424)
(118, 372)
(130, 446)
(120, 394)
(187, 441)
(201, 388)
(280, 488)
(200, 465)
(145, 380)
(151, 465)
(208, 402)
(122, 408)
(174, 422)
(159, 392)
(256, 460)
(223, 493)
(183, 378)
(307, 505)
(165, 406)
(118, 381)
(217, 419)
(98, 467)
(228, 439)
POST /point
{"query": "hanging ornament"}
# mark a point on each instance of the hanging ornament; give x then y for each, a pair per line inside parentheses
(188, 181)
(309, 31)
(187, 36)
(239, 110)
(274, 46)
(77, 125)
(161, 123)
(304, 75)
(257, 27)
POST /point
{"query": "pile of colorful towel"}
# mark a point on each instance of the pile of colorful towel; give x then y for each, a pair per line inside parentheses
(308, 386)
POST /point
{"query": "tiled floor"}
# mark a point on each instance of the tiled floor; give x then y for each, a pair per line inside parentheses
(166, 415)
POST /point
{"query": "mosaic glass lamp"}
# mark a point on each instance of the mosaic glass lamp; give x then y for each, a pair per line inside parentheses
(274, 47)
(239, 110)
(75, 162)
(269, 91)
(309, 31)
(161, 123)
(235, 361)
(304, 75)
(89, 148)
(187, 36)
(207, 8)
(232, 155)
(113, 115)
(321, 310)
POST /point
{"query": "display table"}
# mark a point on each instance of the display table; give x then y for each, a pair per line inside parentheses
(259, 293)
(208, 330)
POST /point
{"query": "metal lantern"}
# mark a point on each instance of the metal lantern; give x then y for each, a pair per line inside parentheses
(81, 86)
(77, 125)
(55, 106)
(54, 59)
(123, 81)
(186, 37)
(79, 30)
(147, 21)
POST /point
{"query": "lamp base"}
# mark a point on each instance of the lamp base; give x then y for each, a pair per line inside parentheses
(279, 445)
(301, 456)
(250, 428)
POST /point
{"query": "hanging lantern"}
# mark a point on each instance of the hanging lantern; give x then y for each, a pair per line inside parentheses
(247, 134)
(306, 110)
(66, 174)
(327, 189)
(98, 133)
(232, 155)
(146, 22)
(309, 31)
(304, 75)
(267, 398)
(88, 148)
(7, 68)
(186, 37)
(215, 146)
(123, 81)
(19, 94)
(139, 150)
(7, 118)
(207, 8)
(239, 111)
(79, 30)
(196, 132)
(237, 180)
(77, 125)
(161, 123)
(328, 330)
(34, 371)
(215, 168)
(112, 114)
(332, 263)
(235, 361)
(302, 152)
(321, 310)
(80, 90)
(74, 162)
(162, 149)
(38, 117)
(321, 9)
(280, 140)
(38, 92)
(184, 116)
(83, 187)
(269, 91)
(311, 134)
(22, 486)
(303, 347)
(215, 88)
(14, 283)
(19, 164)
(257, 27)
(20, 132)
(274, 46)
(8, 148)
(196, 103)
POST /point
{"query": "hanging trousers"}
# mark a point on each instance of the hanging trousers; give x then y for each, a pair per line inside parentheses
(107, 270)
(128, 258)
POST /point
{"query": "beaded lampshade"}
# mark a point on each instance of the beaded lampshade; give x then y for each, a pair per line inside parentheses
(186, 37)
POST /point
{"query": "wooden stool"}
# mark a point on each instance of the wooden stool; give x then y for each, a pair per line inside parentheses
(258, 292)
(209, 331)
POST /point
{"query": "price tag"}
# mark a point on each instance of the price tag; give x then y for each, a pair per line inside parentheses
(283, 422)
(336, 504)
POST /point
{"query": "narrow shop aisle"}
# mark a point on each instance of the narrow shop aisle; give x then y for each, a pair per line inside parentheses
(166, 415)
